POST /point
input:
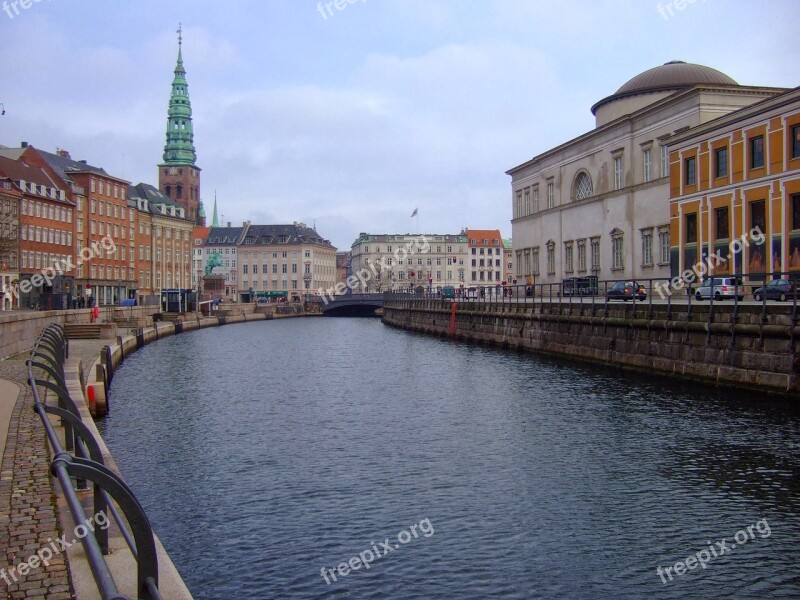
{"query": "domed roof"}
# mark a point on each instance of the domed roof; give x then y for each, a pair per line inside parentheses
(674, 75)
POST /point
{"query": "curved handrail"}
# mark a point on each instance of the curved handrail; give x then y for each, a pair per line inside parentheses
(48, 355)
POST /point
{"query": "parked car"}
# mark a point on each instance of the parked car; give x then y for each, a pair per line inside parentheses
(625, 290)
(723, 287)
(778, 289)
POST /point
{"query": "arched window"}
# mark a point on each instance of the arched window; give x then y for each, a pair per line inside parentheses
(583, 186)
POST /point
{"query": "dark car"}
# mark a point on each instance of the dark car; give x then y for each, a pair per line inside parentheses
(778, 289)
(625, 290)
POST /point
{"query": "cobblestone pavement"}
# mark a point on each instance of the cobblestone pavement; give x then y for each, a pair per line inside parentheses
(28, 511)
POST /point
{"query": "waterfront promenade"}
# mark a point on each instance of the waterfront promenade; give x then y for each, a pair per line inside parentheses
(28, 505)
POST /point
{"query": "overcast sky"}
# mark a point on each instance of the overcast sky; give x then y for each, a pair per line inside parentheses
(353, 118)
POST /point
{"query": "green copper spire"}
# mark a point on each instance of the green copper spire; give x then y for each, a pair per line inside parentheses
(179, 149)
(215, 220)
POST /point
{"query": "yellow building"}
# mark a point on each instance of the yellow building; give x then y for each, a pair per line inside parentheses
(735, 191)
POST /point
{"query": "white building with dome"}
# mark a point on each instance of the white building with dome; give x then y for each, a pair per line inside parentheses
(599, 204)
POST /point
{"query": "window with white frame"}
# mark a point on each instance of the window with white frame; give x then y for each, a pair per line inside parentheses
(551, 258)
(647, 246)
(534, 261)
(618, 173)
(583, 186)
(617, 249)
(663, 242)
(568, 257)
(519, 204)
(664, 162)
(647, 157)
(536, 199)
(595, 246)
(550, 194)
(527, 206)
(581, 255)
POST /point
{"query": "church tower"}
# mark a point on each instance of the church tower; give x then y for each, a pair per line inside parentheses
(178, 175)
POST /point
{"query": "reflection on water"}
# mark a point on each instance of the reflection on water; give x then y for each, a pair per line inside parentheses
(265, 452)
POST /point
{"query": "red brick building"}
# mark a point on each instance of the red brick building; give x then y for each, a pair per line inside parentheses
(46, 244)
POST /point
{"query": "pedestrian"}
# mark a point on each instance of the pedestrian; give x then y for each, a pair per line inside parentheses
(95, 313)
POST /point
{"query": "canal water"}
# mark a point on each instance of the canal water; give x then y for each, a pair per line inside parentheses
(278, 459)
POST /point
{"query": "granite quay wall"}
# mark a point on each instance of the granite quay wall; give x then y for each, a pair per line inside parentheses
(745, 347)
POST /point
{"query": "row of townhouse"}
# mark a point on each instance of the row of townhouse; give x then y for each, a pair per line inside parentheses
(93, 236)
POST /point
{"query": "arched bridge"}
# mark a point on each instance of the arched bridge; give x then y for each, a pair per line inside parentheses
(353, 305)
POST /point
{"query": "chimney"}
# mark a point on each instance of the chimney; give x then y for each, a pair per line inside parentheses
(24, 145)
(83, 162)
(63, 153)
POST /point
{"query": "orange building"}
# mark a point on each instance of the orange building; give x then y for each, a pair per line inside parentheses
(735, 192)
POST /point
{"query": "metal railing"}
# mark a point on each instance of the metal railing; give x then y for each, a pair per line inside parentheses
(732, 290)
(86, 464)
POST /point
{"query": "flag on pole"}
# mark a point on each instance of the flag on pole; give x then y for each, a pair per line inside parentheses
(414, 214)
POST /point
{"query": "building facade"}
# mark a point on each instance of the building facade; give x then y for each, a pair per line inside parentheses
(170, 262)
(405, 261)
(486, 251)
(10, 197)
(730, 176)
(46, 243)
(508, 261)
(289, 261)
(599, 204)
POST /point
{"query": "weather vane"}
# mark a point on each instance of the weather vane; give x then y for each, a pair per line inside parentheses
(180, 34)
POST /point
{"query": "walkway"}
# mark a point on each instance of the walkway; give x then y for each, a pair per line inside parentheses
(28, 509)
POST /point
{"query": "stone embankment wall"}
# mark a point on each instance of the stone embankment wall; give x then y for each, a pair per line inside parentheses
(721, 346)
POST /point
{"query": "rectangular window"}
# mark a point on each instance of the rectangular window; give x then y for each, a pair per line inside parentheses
(568, 264)
(536, 199)
(550, 195)
(535, 260)
(663, 237)
(519, 205)
(596, 256)
(722, 222)
(581, 256)
(617, 251)
(796, 211)
(757, 152)
(664, 162)
(758, 215)
(551, 260)
(691, 170)
(618, 173)
(796, 141)
(647, 247)
(527, 207)
(721, 162)
(691, 228)
(648, 164)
